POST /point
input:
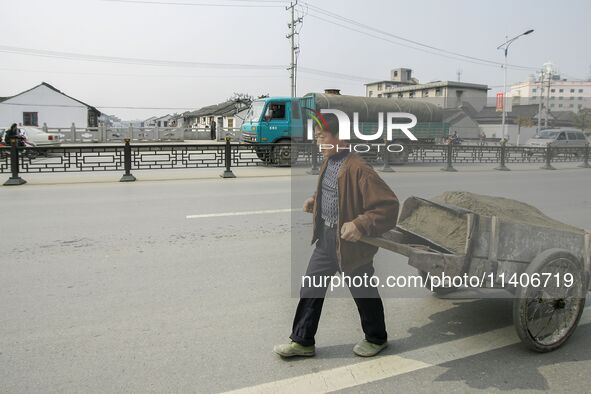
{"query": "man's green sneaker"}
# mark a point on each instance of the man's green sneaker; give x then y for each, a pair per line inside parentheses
(368, 349)
(294, 349)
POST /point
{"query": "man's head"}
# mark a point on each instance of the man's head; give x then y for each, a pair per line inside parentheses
(327, 136)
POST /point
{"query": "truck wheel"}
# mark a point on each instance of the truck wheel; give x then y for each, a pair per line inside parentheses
(285, 154)
(546, 314)
(264, 153)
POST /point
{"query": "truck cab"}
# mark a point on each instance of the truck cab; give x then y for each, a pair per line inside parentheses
(273, 120)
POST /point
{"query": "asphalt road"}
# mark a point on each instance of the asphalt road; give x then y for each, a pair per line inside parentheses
(109, 287)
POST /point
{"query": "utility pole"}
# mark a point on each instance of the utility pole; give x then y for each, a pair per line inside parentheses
(540, 104)
(549, 77)
(294, 49)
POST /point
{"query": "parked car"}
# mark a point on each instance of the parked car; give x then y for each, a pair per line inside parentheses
(558, 137)
(39, 137)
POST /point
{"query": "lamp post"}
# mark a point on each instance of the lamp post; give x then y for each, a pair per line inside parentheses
(505, 47)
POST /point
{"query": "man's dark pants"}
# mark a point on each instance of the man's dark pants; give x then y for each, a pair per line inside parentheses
(323, 263)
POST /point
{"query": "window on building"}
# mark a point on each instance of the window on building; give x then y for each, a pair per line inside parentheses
(400, 95)
(571, 105)
(395, 73)
(411, 94)
(560, 98)
(580, 90)
(438, 92)
(230, 123)
(379, 95)
(572, 98)
(572, 90)
(552, 97)
(559, 105)
(552, 90)
(551, 105)
(580, 106)
(580, 97)
(30, 119)
(534, 90)
(370, 93)
(380, 86)
(425, 93)
(561, 91)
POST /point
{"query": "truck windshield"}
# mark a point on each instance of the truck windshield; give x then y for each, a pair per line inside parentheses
(256, 109)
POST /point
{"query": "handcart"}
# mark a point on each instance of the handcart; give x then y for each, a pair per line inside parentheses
(545, 268)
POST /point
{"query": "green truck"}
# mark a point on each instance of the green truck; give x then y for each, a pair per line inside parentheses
(278, 125)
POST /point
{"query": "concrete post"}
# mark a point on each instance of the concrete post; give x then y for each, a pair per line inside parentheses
(73, 132)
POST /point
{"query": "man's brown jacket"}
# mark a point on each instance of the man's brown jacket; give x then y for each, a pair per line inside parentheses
(364, 199)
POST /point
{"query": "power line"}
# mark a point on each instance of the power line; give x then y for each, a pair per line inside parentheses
(127, 60)
(165, 63)
(174, 75)
(200, 4)
(431, 48)
(141, 75)
(96, 106)
(395, 42)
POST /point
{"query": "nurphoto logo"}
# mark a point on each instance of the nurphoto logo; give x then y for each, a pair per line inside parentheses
(345, 129)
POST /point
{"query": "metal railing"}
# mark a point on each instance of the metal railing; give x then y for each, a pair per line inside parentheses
(104, 134)
(127, 157)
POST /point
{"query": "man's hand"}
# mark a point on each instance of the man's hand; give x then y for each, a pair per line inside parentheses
(349, 232)
(309, 205)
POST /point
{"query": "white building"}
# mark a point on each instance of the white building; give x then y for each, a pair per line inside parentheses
(163, 120)
(150, 122)
(559, 94)
(44, 104)
(444, 94)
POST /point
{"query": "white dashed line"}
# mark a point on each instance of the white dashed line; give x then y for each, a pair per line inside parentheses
(390, 366)
(244, 213)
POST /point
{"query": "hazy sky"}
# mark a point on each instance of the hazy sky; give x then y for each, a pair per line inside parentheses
(253, 33)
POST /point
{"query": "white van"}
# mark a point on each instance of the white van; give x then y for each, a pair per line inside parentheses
(558, 137)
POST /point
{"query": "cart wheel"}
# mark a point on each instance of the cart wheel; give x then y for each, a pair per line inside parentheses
(546, 315)
(437, 290)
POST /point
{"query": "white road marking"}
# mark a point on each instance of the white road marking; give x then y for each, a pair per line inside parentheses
(244, 213)
(389, 366)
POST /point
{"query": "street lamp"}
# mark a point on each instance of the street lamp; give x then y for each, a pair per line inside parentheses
(505, 46)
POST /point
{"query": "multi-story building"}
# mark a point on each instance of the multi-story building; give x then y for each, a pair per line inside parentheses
(444, 94)
(559, 94)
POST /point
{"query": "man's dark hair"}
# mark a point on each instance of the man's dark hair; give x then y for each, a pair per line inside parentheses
(332, 124)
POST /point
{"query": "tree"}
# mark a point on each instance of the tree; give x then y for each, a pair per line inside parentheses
(523, 121)
(583, 119)
(243, 98)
